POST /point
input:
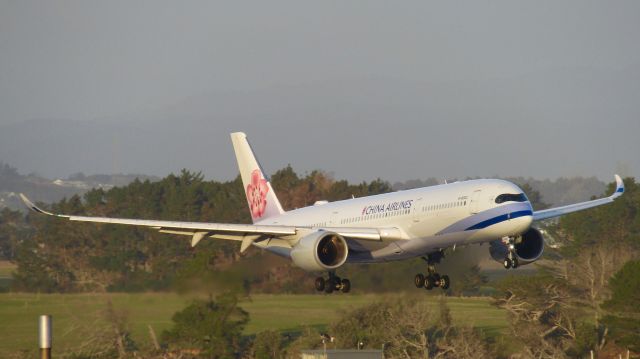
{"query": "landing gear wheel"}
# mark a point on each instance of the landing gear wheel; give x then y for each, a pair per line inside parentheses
(336, 283)
(432, 278)
(332, 284)
(436, 279)
(429, 282)
(507, 263)
(345, 286)
(514, 263)
(444, 282)
(328, 288)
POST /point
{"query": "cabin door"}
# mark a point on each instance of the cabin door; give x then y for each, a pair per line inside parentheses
(474, 202)
(417, 210)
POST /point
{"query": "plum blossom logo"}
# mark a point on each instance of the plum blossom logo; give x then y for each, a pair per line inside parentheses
(257, 194)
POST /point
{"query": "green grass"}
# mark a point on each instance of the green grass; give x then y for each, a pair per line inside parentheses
(73, 314)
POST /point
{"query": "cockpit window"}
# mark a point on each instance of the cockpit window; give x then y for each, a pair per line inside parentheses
(508, 197)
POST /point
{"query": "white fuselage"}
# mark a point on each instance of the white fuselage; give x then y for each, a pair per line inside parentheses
(423, 220)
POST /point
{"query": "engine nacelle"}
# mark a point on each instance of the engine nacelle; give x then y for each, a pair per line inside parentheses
(320, 251)
(529, 247)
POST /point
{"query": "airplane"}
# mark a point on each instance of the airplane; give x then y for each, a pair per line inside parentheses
(420, 222)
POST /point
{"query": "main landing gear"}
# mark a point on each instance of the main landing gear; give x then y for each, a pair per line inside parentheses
(432, 279)
(511, 260)
(333, 283)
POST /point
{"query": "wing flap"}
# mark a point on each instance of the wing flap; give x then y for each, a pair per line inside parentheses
(196, 226)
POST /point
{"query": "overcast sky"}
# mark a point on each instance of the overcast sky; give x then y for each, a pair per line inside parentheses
(361, 89)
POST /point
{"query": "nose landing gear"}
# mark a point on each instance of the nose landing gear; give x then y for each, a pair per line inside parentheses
(511, 260)
(510, 263)
(432, 279)
(333, 283)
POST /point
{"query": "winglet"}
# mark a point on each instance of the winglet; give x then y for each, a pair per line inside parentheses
(33, 207)
(619, 187)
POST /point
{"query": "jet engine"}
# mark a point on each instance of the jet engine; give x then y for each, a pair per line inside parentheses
(528, 247)
(320, 251)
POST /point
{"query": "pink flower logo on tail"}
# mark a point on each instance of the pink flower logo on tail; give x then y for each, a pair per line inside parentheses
(257, 194)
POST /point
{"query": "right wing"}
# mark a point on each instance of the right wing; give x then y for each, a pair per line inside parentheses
(559, 211)
(246, 233)
(197, 230)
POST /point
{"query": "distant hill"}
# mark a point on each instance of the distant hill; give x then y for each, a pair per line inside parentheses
(47, 190)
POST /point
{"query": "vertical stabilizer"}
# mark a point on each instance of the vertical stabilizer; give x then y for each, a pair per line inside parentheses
(262, 200)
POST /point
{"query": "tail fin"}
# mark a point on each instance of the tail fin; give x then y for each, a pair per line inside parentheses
(262, 200)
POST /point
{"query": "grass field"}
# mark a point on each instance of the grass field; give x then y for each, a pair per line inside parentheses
(75, 314)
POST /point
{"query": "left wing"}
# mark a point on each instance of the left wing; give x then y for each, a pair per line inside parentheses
(558, 211)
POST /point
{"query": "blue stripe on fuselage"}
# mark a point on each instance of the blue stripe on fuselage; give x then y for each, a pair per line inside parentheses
(485, 216)
(498, 219)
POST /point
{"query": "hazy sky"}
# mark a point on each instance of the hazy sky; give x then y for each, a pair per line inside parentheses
(361, 89)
